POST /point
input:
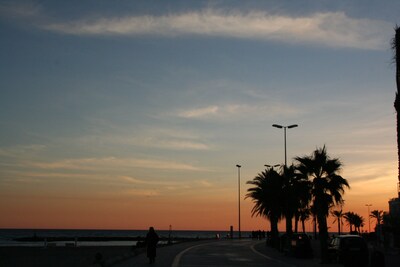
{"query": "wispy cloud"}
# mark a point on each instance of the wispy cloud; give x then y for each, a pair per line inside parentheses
(170, 185)
(366, 172)
(233, 110)
(20, 10)
(20, 150)
(200, 112)
(150, 137)
(176, 144)
(157, 187)
(334, 29)
(172, 139)
(136, 181)
(142, 192)
(95, 164)
(205, 183)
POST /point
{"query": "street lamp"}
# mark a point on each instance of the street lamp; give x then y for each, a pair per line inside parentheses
(369, 218)
(284, 130)
(272, 166)
(238, 166)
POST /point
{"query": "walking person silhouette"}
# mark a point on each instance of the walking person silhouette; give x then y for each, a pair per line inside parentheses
(151, 243)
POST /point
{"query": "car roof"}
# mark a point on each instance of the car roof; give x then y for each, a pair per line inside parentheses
(348, 236)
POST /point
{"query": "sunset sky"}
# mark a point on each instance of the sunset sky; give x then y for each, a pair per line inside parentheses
(126, 114)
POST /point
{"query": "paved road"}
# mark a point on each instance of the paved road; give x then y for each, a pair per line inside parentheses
(225, 253)
(220, 253)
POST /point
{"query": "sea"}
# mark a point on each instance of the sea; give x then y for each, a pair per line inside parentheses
(54, 237)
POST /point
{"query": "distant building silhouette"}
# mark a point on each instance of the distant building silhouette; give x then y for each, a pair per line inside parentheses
(394, 207)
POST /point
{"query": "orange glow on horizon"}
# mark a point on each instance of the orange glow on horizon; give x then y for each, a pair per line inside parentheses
(209, 208)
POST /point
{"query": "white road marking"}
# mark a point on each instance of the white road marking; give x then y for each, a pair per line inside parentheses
(178, 257)
(269, 258)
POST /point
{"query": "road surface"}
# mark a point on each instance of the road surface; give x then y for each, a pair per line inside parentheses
(232, 253)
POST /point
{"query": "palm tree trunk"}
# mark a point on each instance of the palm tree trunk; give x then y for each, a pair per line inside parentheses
(303, 225)
(274, 231)
(289, 230)
(289, 225)
(315, 226)
(323, 236)
(338, 226)
(296, 222)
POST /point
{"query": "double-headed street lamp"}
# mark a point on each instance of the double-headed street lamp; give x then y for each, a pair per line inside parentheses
(272, 166)
(238, 166)
(284, 134)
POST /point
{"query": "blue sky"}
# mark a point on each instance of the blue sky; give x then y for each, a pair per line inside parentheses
(139, 99)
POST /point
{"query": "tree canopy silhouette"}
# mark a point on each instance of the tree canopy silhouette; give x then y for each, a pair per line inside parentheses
(267, 197)
(327, 188)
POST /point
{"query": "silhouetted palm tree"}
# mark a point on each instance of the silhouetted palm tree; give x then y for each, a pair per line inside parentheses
(293, 193)
(305, 214)
(327, 188)
(303, 191)
(396, 48)
(349, 217)
(313, 213)
(354, 219)
(338, 214)
(358, 222)
(268, 199)
(378, 216)
(307, 210)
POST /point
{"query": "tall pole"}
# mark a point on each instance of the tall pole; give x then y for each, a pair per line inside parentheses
(238, 166)
(284, 135)
(369, 218)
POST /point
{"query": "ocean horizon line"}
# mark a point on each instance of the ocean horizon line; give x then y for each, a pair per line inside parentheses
(111, 229)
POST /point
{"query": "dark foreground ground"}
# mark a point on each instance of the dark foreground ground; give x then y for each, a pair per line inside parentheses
(112, 256)
(61, 256)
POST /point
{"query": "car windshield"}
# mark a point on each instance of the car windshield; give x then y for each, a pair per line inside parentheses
(352, 242)
(335, 242)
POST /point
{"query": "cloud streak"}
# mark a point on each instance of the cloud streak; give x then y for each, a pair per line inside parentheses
(94, 164)
(233, 110)
(334, 29)
(200, 112)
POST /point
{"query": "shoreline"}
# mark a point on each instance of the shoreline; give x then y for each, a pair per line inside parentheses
(52, 242)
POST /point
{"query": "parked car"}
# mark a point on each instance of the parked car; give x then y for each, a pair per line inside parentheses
(349, 250)
(299, 245)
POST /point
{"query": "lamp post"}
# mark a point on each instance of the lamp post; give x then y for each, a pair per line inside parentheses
(272, 166)
(369, 218)
(238, 166)
(284, 135)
